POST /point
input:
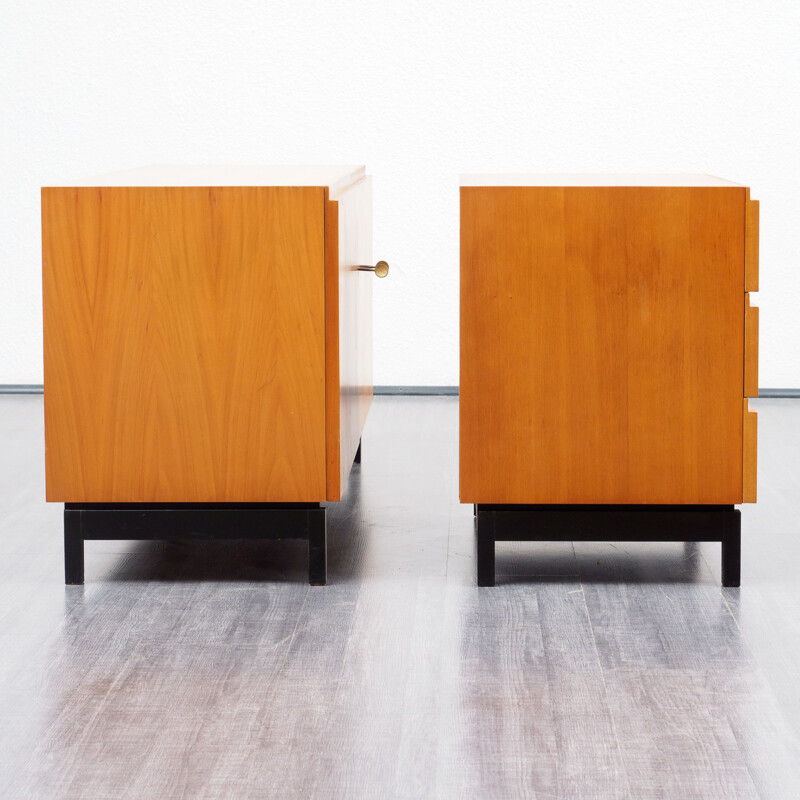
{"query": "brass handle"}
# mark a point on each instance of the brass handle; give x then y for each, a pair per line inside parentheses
(381, 269)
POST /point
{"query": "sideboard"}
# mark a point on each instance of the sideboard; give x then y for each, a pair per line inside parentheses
(207, 351)
(608, 348)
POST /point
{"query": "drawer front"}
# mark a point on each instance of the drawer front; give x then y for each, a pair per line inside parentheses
(602, 338)
(751, 213)
(749, 454)
(750, 348)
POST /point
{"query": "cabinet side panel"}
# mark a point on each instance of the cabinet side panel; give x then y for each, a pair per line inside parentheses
(184, 344)
(601, 344)
(355, 321)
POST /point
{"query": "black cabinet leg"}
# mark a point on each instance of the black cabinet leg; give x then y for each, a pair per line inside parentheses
(73, 547)
(317, 547)
(731, 548)
(357, 459)
(486, 531)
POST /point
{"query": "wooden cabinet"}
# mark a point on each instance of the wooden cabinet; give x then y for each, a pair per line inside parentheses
(207, 334)
(607, 340)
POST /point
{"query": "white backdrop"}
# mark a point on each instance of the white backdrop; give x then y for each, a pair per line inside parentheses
(418, 91)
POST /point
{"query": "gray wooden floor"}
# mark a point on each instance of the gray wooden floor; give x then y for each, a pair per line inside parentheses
(213, 670)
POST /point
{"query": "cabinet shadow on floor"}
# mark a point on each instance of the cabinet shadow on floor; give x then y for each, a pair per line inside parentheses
(605, 562)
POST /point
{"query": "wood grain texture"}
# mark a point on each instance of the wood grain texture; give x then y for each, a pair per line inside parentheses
(354, 225)
(752, 226)
(749, 454)
(184, 344)
(601, 345)
(679, 722)
(750, 348)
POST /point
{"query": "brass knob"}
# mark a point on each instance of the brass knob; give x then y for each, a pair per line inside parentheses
(381, 269)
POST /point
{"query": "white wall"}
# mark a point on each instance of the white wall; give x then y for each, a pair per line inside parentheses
(418, 91)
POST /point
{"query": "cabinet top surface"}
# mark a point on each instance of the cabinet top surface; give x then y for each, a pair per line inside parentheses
(599, 179)
(336, 177)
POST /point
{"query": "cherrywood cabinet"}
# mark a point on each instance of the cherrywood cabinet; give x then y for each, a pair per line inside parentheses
(207, 334)
(608, 343)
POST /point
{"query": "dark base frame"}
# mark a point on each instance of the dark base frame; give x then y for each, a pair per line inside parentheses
(604, 523)
(195, 521)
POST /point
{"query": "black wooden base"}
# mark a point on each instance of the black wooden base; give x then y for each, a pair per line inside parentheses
(614, 523)
(194, 521)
